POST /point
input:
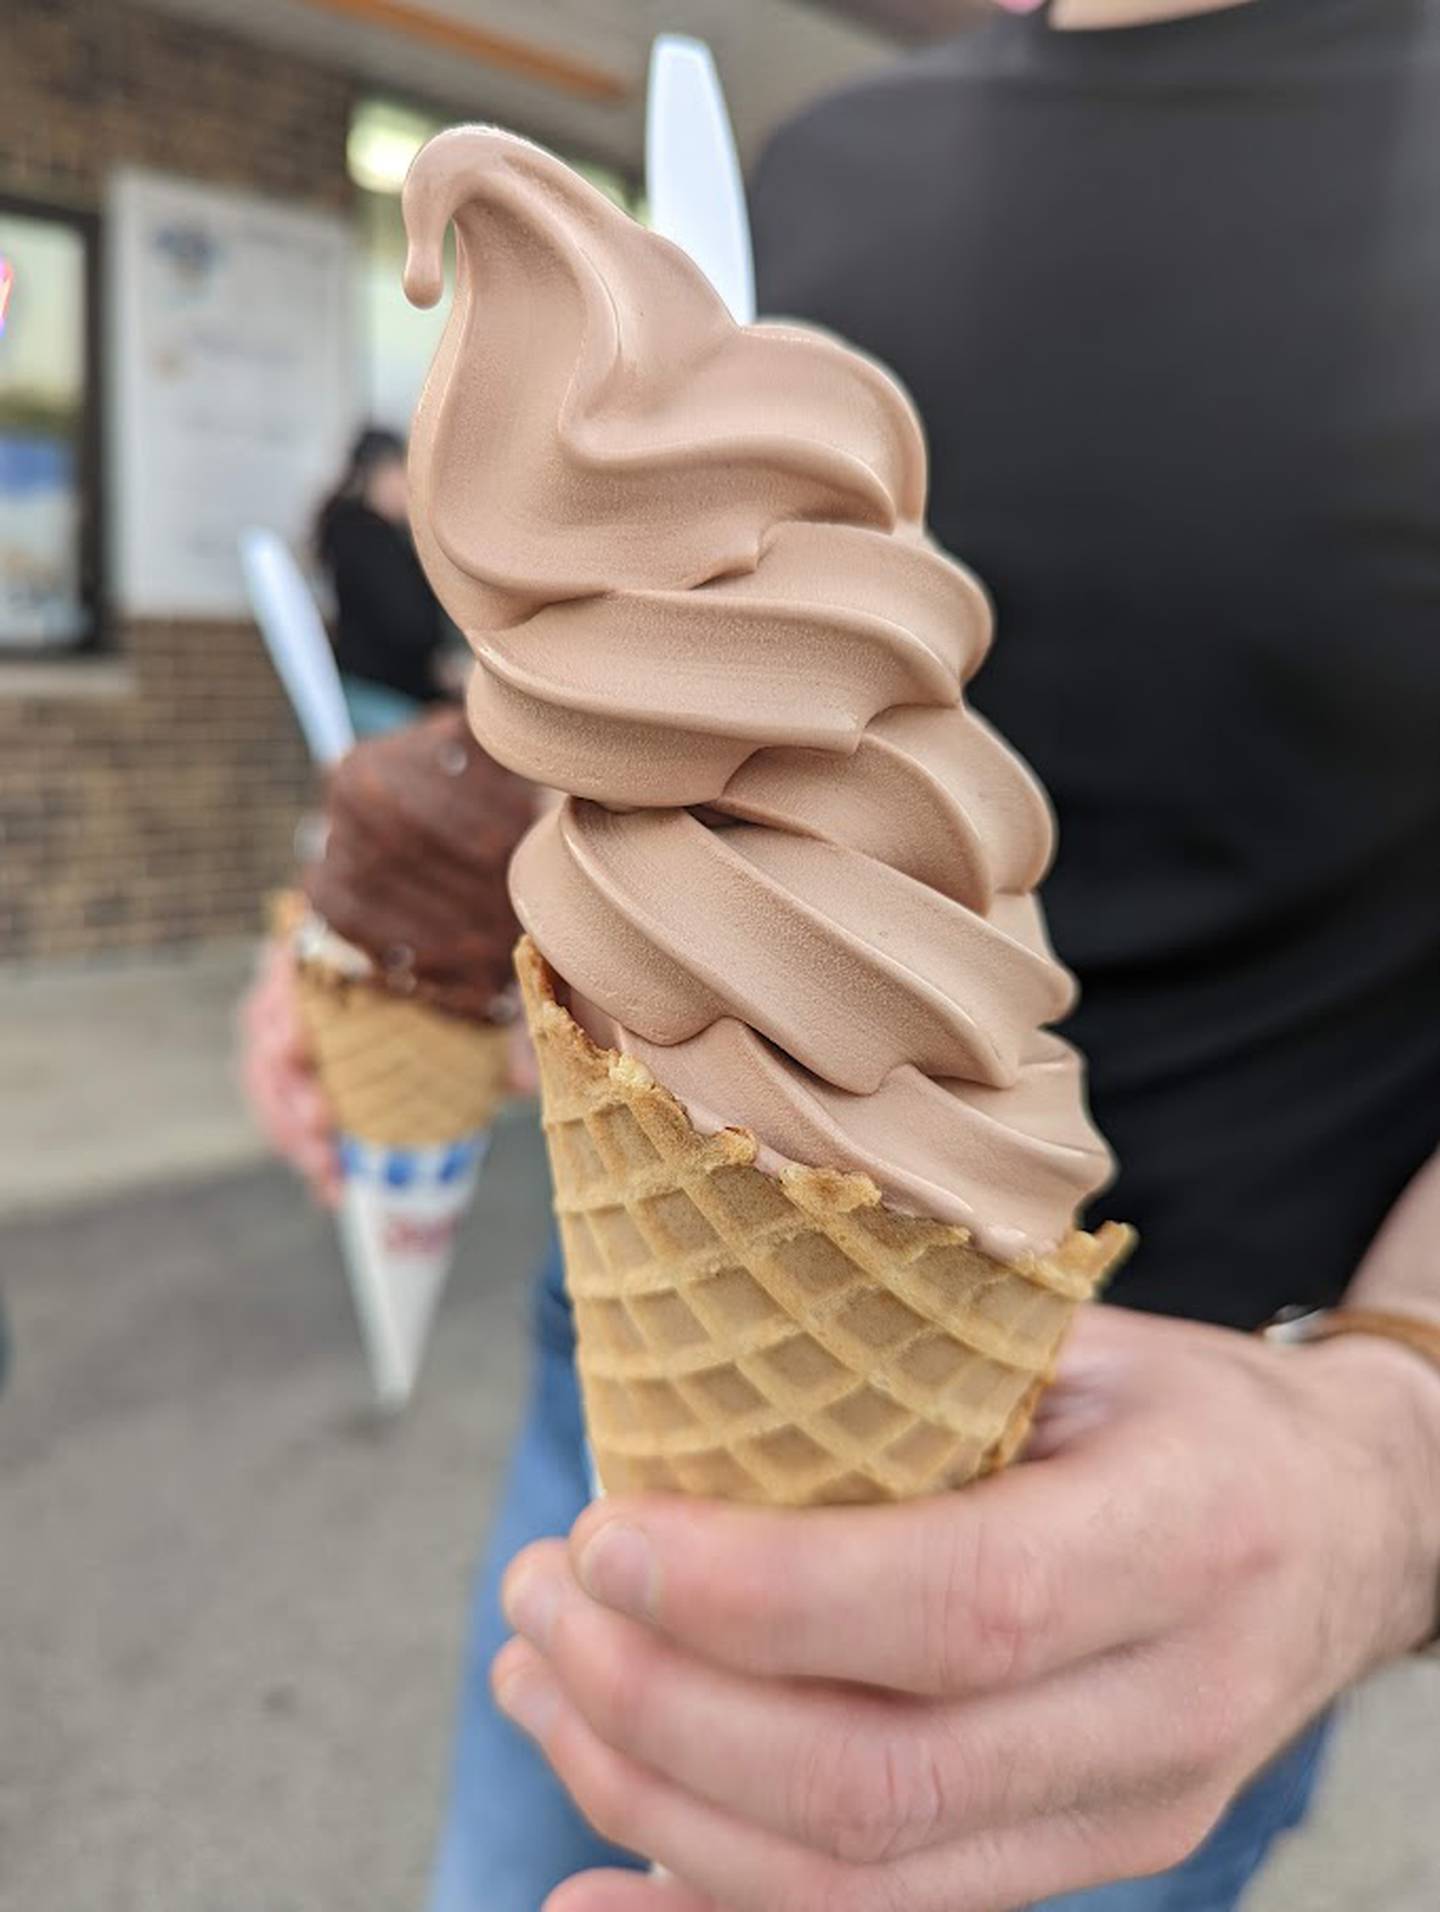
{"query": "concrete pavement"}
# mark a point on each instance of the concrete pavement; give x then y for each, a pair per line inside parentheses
(231, 1604)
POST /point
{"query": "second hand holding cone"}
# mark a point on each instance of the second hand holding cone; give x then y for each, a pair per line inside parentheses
(834, 1255)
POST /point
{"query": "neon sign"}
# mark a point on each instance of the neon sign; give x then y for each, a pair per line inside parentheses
(7, 286)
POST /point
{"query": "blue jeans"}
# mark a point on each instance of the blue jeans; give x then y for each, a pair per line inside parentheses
(511, 1833)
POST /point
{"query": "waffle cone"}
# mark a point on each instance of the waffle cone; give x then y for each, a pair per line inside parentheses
(787, 1338)
(397, 1072)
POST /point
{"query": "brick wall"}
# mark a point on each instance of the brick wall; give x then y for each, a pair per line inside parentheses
(156, 804)
(159, 814)
(87, 85)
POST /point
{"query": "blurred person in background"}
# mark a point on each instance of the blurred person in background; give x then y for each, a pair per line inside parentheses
(392, 641)
(1164, 279)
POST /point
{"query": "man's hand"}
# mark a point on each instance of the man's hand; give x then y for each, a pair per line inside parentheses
(278, 1076)
(1056, 1678)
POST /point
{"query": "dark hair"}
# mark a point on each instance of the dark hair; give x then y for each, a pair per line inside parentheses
(375, 445)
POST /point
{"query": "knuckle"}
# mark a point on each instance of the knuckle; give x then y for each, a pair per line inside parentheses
(734, 1602)
(1175, 1834)
(1210, 1732)
(912, 1786)
(868, 1796)
(992, 1603)
(1215, 1693)
(611, 1685)
(611, 1805)
(1246, 1536)
(741, 1609)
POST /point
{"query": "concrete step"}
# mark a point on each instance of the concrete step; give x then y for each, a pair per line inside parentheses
(120, 1074)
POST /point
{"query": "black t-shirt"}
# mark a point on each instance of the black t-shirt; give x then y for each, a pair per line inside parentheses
(1168, 299)
(389, 628)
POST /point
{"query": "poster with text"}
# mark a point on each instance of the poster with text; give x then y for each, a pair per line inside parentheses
(233, 379)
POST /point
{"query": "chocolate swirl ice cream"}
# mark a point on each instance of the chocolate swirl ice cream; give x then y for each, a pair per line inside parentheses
(794, 873)
(421, 825)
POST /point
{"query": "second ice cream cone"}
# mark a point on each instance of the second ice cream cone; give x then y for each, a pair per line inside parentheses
(413, 1091)
(397, 1071)
(789, 1338)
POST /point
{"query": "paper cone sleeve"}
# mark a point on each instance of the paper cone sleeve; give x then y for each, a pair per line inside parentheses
(399, 1216)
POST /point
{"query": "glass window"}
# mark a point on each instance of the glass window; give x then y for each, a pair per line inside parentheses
(48, 463)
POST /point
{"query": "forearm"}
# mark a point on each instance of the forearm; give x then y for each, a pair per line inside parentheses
(1401, 1271)
(1400, 1274)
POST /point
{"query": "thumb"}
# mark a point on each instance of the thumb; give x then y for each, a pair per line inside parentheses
(1102, 1371)
(1118, 1364)
(1103, 1335)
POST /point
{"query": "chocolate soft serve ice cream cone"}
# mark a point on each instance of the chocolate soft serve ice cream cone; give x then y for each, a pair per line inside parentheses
(816, 1155)
(402, 943)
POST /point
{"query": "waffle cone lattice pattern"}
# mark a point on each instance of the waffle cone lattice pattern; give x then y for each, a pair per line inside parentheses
(399, 1073)
(780, 1338)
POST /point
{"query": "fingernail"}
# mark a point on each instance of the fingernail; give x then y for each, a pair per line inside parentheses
(617, 1568)
(531, 1599)
(531, 1699)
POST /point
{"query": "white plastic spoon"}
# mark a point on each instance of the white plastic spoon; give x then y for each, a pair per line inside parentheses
(692, 170)
(294, 633)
